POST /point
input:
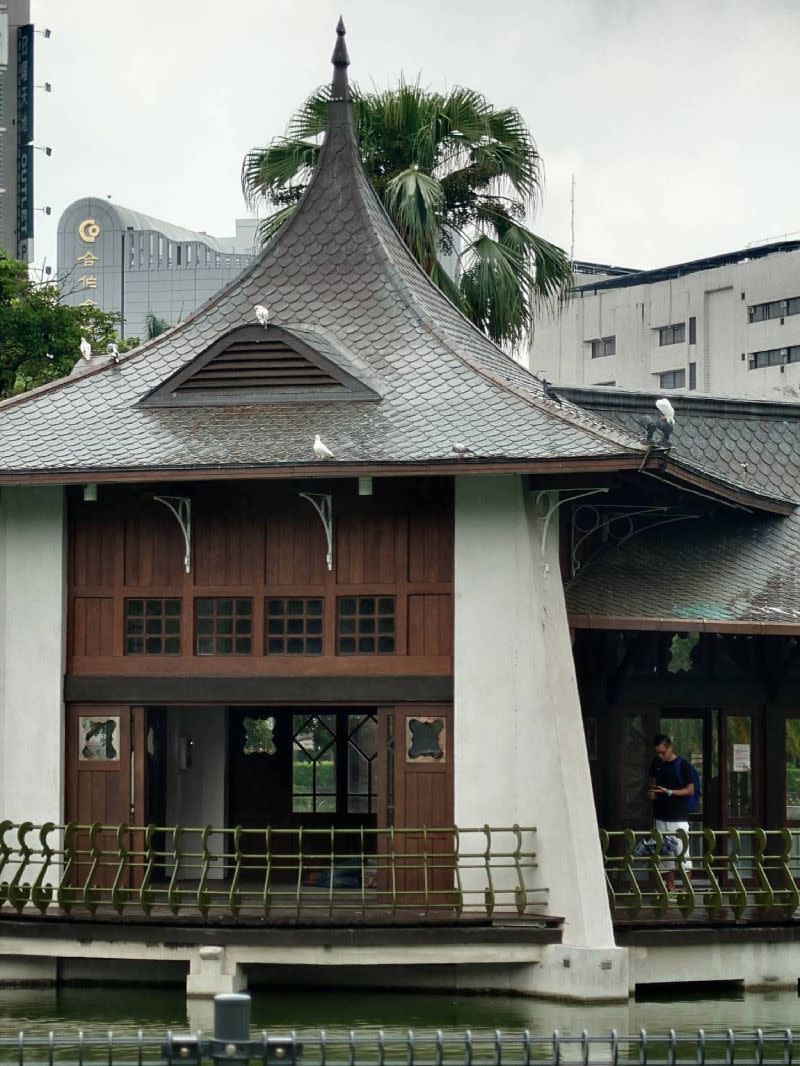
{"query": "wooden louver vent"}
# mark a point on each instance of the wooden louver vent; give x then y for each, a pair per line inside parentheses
(258, 364)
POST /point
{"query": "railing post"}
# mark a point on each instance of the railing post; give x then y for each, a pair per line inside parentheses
(231, 1028)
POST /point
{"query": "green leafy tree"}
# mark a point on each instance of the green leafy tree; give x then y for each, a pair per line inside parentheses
(40, 336)
(456, 175)
(154, 326)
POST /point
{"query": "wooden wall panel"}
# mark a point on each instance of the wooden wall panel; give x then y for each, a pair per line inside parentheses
(366, 550)
(430, 624)
(153, 548)
(92, 626)
(430, 548)
(94, 542)
(228, 548)
(259, 540)
(295, 549)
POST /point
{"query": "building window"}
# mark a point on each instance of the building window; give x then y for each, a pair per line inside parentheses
(774, 309)
(692, 330)
(153, 627)
(314, 764)
(672, 379)
(603, 346)
(223, 626)
(294, 626)
(366, 625)
(179, 255)
(605, 384)
(692, 375)
(675, 334)
(774, 357)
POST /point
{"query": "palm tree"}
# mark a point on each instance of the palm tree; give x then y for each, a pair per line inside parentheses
(457, 177)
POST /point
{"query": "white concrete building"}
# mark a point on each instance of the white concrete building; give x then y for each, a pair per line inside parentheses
(727, 325)
(122, 260)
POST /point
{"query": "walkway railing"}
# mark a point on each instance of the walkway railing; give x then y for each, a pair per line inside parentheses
(233, 1042)
(718, 874)
(208, 872)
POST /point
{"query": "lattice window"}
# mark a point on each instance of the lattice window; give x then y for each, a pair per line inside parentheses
(223, 626)
(153, 627)
(366, 625)
(295, 626)
(314, 763)
(362, 752)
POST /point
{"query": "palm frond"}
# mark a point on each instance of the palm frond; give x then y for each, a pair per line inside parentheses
(414, 201)
(496, 287)
(269, 226)
(285, 162)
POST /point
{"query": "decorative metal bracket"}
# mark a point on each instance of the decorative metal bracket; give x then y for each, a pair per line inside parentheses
(323, 505)
(181, 507)
(649, 518)
(553, 507)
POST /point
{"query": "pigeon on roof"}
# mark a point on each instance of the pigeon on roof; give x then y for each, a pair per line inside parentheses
(321, 451)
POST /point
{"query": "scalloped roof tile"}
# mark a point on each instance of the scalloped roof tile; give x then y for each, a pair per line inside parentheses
(339, 269)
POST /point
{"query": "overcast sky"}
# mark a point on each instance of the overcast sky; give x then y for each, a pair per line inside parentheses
(677, 117)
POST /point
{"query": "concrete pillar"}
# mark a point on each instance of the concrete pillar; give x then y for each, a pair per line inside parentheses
(211, 972)
(520, 752)
(32, 652)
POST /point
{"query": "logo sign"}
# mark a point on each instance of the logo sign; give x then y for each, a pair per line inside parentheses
(24, 139)
(89, 230)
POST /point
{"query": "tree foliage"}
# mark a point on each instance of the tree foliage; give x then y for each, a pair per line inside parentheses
(40, 336)
(456, 175)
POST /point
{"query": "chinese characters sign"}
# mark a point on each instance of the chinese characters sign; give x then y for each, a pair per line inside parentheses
(24, 139)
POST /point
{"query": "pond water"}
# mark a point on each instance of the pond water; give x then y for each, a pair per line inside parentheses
(154, 1010)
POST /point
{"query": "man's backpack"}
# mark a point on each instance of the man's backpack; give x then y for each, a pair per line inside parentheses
(694, 800)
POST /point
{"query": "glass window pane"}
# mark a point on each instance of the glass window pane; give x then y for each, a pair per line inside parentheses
(740, 766)
(793, 771)
(224, 646)
(205, 646)
(275, 606)
(135, 607)
(243, 645)
(172, 646)
(366, 605)
(275, 646)
(152, 645)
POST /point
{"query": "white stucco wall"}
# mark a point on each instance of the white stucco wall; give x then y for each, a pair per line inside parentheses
(520, 752)
(32, 643)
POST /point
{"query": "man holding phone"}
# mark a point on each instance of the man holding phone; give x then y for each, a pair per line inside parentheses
(671, 785)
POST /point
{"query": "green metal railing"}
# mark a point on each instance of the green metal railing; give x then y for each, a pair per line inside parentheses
(718, 874)
(233, 1042)
(237, 873)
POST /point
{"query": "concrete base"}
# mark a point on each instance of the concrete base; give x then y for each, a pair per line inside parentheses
(585, 975)
(24, 970)
(760, 965)
(510, 968)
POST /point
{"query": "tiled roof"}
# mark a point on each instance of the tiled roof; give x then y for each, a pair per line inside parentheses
(339, 271)
(734, 568)
(743, 569)
(753, 444)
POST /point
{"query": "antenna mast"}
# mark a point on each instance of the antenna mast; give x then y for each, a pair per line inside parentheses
(572, 222)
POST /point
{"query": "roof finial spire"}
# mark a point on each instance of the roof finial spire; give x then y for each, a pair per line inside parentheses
(340, 90)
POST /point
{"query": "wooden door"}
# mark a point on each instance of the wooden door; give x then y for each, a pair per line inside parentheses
(416, 797)
(105, 782)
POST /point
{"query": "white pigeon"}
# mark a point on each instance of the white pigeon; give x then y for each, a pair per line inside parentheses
(86, 348)
(262, 315)
(321, 450)
(112, 349)
(667, 410)
(461, 450)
